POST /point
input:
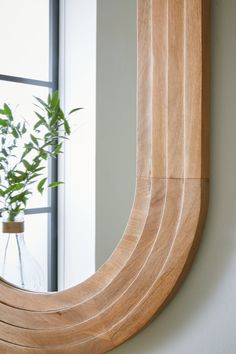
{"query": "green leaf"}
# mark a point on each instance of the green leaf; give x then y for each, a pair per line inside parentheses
(61, 114)
(47, 136)
(53, 120)
(21, 178)
(75, 110)
(40, 186)
(3, 122)
(27, 165)
(23, 130)
(9, 189)
(34, 139)
(31, 167)
(42, 120)
(40, 169)
(37, 125)
(36, 163)
(14, 187)
(49, 99)
(35, 175)
(55, 99)
(37, 159)
(55, 184)
(29, 146)
(15, 133)
(63, 137)
(19, 186)
(44, 104)
(27, 150)
(43, 154)
(11, 177)
(67, 127)
(19, 172)
(57, 150)
(5, 153)
(20, 197)
(8, 111)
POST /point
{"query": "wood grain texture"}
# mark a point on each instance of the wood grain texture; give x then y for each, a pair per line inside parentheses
(170, 203)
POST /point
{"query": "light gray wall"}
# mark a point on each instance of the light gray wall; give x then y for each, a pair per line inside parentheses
(201, 319)
(116, 121)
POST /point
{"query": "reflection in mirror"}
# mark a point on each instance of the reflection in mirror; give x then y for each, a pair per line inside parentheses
(71, 230)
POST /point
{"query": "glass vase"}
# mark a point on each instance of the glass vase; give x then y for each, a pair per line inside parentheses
(17, 265)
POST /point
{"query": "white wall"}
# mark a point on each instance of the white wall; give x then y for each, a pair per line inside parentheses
(201, 319)
(77, 88)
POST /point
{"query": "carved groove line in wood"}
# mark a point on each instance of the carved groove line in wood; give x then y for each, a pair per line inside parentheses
(169, 208)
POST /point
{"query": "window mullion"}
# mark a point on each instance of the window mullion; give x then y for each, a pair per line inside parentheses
(23, 80)
(53, 164)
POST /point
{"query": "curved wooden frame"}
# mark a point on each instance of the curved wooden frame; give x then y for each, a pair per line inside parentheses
(170, 203)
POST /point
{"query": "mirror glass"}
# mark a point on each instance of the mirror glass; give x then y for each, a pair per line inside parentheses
(87, 50)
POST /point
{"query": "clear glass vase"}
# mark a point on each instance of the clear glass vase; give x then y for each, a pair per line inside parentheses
(17, 265)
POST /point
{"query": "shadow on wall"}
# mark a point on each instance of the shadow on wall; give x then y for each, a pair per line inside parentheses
(172, 331)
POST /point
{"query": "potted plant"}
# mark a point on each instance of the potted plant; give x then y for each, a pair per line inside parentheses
(23, 153)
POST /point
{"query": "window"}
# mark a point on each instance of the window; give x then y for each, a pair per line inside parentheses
(29, 67)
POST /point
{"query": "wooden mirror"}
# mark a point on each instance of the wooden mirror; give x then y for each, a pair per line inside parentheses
(169, 210)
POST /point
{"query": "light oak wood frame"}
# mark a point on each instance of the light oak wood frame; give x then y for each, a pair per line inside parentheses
(169, 208)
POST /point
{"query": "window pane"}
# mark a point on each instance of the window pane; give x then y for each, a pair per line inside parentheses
(20, 98)
(24, 38)
(36, 239)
